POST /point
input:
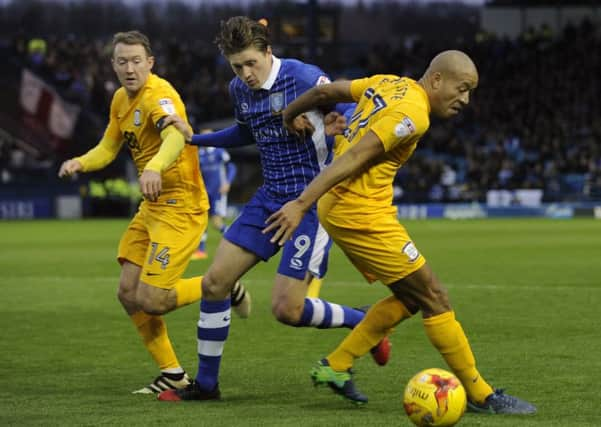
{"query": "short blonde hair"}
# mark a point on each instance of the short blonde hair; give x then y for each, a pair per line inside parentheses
(132, 37)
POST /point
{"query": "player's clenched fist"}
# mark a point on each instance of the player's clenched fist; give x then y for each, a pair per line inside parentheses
(69, 167)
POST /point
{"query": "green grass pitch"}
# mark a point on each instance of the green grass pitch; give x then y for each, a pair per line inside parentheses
(527, 292)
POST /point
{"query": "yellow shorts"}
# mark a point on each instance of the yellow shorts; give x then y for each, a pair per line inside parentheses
(161, 241)
(378, 245)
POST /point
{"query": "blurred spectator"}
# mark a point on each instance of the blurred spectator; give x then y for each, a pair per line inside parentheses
(534, 123)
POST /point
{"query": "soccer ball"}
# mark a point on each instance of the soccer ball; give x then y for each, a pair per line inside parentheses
(434, 397)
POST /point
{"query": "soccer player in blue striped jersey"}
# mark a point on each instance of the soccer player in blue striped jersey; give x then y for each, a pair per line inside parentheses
(218, 172)
(264, 85)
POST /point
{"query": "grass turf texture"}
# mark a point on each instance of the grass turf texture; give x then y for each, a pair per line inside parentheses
(526, 291)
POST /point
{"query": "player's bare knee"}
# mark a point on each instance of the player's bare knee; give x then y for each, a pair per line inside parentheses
(154, 307)
(422, 290)
(442, 296)
(127, 297)
(401, 293)
(154, 300)
(214, 288)
(285, 312)
(435, 302)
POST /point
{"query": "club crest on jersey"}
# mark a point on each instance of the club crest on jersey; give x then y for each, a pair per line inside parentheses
(244, 107)
(276, 102)
(137, 118)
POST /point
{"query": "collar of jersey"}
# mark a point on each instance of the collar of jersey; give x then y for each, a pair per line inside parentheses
(275, 69)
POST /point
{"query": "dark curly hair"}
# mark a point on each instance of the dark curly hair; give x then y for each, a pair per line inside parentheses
(239, 33)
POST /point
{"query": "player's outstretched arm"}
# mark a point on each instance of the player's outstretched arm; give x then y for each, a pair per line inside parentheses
(97, 158)
(287, 219)
(233, 136)
(317, 96)
(69, 168)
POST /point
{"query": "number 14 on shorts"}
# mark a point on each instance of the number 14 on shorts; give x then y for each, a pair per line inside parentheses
(162, 256)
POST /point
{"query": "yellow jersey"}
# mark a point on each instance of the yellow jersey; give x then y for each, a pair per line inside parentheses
(397, 110)
(136, 123)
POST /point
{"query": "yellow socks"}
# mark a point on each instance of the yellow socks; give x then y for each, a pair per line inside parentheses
(446, 334)
(153, 330)
(155, 338)
(377, 323)
(314, 288)
(188, 291)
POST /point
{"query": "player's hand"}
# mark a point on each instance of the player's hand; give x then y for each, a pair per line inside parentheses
(180, 124)
(284, 222)
(69, 167)
(224, 189)
(299, 126)
(335, 123)
(151, 185)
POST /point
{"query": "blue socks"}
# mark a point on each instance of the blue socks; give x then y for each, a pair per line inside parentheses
(213, 329)
(323, 314)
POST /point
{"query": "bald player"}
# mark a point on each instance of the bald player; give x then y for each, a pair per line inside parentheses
(356, 210)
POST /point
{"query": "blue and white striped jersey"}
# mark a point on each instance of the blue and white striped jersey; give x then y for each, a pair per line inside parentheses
(288, 164)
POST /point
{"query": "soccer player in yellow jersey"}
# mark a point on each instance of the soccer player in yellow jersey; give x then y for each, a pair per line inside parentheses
(155, 249)
(356, 210)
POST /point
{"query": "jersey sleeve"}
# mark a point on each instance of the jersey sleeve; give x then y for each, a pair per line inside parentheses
(400, 127)
(164, 102)
(359, 86)
(310, 75)
(237, 111)
(112, 131)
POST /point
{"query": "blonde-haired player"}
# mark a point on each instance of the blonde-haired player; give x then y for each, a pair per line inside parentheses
(155, 249)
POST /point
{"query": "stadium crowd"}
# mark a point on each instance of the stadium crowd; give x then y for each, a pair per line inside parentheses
(535, 122)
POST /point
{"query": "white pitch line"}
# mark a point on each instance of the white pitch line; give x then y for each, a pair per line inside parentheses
(327, 283)
(114, 278)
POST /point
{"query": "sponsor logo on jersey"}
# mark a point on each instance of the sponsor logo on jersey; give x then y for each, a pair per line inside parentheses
(276, 102)
(137, 118)
(131, 141)
(268, 134)
(296, 263)
(167, 105)
(411, 251)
